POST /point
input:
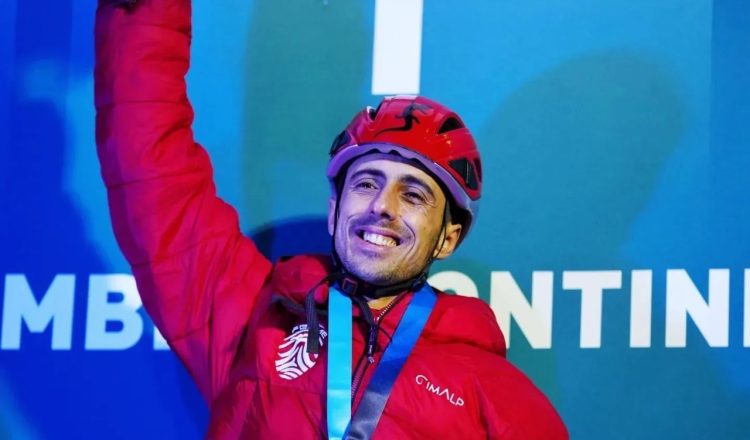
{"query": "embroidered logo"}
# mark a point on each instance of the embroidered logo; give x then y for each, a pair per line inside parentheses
(445, 393)
(293, 360)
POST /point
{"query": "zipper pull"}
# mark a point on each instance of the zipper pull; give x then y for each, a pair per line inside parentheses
(371, 343)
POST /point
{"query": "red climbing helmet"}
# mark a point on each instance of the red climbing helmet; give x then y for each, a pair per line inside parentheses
(417, 128)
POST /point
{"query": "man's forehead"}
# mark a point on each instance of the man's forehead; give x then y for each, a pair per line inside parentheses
(392, 165)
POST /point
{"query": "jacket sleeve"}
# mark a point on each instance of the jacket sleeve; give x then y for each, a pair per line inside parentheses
(198, 276)
(513, 408)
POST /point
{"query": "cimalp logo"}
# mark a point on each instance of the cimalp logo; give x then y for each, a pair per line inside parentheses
(444, 392)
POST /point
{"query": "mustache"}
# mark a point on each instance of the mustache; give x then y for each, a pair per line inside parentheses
(378, 222)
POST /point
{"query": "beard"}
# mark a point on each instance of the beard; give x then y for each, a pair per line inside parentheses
(393, 266)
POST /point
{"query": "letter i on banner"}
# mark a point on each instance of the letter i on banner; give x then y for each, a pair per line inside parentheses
(397, 47)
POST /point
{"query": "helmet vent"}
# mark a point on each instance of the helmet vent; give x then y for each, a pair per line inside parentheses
(465, 169)
(340, 140)
(450, 124)
(373, 112)
(478, 166)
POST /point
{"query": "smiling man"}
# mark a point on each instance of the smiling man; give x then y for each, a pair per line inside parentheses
(392, 220)
(356, 345)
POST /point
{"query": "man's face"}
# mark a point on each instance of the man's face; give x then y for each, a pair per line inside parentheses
(390, 220)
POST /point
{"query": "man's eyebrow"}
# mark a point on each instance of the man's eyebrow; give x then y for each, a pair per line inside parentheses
(374, 172)
(414, 180)
(408, 179)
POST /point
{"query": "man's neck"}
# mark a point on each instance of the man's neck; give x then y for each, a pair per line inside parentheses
(380, 303)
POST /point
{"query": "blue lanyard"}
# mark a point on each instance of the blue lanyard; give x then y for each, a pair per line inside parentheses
(340, 358)
(339, 397)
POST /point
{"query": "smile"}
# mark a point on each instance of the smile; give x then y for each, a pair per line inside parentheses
(378, 239)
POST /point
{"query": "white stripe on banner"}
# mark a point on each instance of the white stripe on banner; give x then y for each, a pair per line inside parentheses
(397, 49)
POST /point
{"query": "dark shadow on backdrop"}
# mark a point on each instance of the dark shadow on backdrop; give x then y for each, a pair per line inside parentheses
(307, 235)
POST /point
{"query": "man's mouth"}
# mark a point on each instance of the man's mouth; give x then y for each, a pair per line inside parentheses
(378, 239)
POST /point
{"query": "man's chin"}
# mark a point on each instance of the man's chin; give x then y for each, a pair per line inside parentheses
(377, 276)
(378, 271)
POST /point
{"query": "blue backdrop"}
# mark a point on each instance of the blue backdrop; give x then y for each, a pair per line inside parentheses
(613, 237)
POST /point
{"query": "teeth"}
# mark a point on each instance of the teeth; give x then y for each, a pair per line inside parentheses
(380, 240)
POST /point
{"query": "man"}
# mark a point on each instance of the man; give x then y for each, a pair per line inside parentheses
(354, 346)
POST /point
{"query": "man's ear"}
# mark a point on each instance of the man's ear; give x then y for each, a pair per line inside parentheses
(449, 240)
(331, 214)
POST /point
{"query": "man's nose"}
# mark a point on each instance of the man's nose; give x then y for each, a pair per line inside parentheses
(385, 203)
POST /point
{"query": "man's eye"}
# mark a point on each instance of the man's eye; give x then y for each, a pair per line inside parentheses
(414, 196)
(364, 185)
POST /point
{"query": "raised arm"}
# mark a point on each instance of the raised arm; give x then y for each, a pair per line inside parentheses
(198, 276)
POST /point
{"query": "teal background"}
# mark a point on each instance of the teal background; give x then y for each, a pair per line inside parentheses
(614, 137)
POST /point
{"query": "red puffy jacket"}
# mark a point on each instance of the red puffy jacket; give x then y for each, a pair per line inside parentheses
(215, 297)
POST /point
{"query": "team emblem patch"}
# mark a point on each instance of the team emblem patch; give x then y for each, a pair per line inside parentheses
(293, 360)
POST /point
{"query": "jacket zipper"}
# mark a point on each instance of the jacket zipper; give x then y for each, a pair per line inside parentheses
(361, 373)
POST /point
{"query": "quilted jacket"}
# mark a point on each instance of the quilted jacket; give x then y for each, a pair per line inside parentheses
(233, 317)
